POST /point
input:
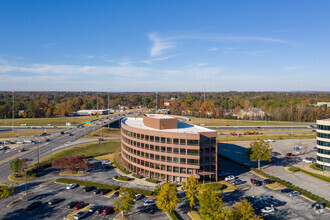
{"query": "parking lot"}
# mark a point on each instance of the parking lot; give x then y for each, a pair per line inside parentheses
(295, 208)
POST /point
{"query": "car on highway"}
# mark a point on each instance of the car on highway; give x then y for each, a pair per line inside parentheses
(54, 201)
(33, 205)
(255, 182)
(62, 132)
(44, 134)
(149, 203)
(101, 139)
(88, 188)
(269, 140)
(268, 181)
(19, 142)
(294, 193)
(229, 178)
(268, 209)
(309, 160)
(79, 205)
(72, 186)
(28, 141)
(71, 205)
(286, 191)
(21, 149)
(80, 215)
(107, 210)
(6, 142)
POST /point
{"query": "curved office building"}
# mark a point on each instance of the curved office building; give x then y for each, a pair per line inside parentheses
(323, 144)
(163, 148)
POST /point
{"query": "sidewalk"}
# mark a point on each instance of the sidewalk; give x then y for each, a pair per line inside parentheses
(136, 180)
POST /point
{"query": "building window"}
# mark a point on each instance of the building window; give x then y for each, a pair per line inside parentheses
(176, 150)
(183, 151)
(157, 139)
(176, 169)
(142, 136)
(152, 147)
(175, 160)
(156, 157)
(162, 140)
(183, 170)
(152, 156)
(192, 162)
(163, 158)
(134, 135)
(163, 149)
(169, 168)
(162, 167)
(175, 141)
(169, 150)
(162, 176)
(147, 137)
(157, 166)
(169, 140)
(183, 179)
(192, 152)
(182, 160)
(146, 155)
(169, 159)
(156, 148)
(152, 138)
(182, 141)
(189, 171)
(147, 147)
(138, 136)
(192, 142)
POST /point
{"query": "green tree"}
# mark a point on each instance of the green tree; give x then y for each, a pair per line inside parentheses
(125, 200)
(243, 211)
(17, 166)
(4, 192)
(192, 189)
(260, 151)
(167, 199)
(210, 205)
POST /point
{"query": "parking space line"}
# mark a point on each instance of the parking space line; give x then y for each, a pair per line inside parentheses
(71, 215)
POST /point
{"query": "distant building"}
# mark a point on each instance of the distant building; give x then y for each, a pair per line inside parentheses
(251, 113)
(327, 104)
(90, 112)
(163, 111)
(323, 144)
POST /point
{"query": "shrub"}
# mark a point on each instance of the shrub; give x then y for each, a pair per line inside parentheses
(137, 176)
(152, 180)
(173, 216)
(294, 169)
(87, 183)
(215, 186)
(141, 191)
(123, 178)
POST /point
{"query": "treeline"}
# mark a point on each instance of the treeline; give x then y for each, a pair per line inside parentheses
(282, 106)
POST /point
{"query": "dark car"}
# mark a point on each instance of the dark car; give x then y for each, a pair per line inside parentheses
(47, 140)
(286, 191)
(44, 134)
(100, 209)
(33, 205)
(79, 205)
(255, 182)
(268, 181)
(289, 155)
(318, 205)
(88, 188)
(105, 191)
(116, 194)
(237, 182)
(94, 208)
(101, 139)
(107, 210)
(97, 191)
(62, 132)
(276, 203)
(71, 205)
(54, 201)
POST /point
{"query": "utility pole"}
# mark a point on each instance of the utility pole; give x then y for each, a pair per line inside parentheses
(38, 154)
(13, 111)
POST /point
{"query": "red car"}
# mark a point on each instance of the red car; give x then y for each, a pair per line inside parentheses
(79, 205)
(255, 182)
(107, 210)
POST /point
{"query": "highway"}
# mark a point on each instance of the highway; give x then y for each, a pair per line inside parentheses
(57, 141)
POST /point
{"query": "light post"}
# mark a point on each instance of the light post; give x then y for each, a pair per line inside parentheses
(38, 154)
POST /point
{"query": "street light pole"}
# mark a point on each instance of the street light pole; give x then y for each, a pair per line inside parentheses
(38, 154)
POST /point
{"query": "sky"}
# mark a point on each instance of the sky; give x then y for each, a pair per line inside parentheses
(164, 45)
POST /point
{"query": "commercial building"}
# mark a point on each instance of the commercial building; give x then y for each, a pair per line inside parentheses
(163, 148)
(323, 144)
(91, 112)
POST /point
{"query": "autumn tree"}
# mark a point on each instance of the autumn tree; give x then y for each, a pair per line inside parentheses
(125, 200)
(260, 151)
(210, 205)
(167, 198)
(4, 192)
(192, 189)
(243, 211)
(17, 166)
(72, 163)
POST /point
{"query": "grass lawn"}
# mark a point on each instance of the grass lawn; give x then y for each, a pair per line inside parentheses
(229, 187)
(104, 133)
(27, 132)
(194, 215)
(214, 121)
(287, 136)
(89, 150)
(53, 121)
(276, 186)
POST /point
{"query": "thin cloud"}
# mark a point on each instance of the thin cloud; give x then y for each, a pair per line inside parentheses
(159, 44)
(151, 61)
(213, 49)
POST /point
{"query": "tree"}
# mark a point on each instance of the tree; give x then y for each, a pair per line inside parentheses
(125, 200)
(167, 199)
(17, 166)
(242, 210)
(72, 163)
(192, 189)
(4, 192)
(210, 204)
(260, 151)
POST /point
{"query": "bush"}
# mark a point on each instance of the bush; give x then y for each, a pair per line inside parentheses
(173, 216)
(137, 176)
(294, 169)
(152, 180)
(141, 191)
(123, 178)
(87, 183)
(215, 186)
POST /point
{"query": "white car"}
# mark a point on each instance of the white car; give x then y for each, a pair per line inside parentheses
(137, 197)
(297, 148)
(231, 177)
(72, 186)
(19, 142)
(268, 210)
(309, 160)
(149, 203)
(80, 215)
(27, 141)
(269, 140)
(294, 193)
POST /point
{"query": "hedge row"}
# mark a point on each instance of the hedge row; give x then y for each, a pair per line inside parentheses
(123, 178)
(215, 186)
(137, 176)
(87, 183)
(319, 176)
(290, 186)
(152, 180)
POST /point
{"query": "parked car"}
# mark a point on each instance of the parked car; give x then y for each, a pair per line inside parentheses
(72, 186)
(88, 188)
(94, 208)
(297, 148)
(255, 182)
(276, 202)
(269, 140)
(268, 181)
(6, 142)
(62, 132)
(294, 193)
(33, 206)
(54, 201)
(71, 205)
(97, 191)
(116, 193)
(289, 155)
(318, 205)
(265, 196)
(105, 191)
(268, 210)
(309, 160)
(149, 203)
(237, 182)
(80, 215)
(79, 205)
(107, 210)
(286, 191)
(137, 197)
(44, 134)
(229, 178)
(99, 210)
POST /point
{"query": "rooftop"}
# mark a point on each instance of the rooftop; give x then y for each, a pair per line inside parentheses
(159, 116)
(182, 127)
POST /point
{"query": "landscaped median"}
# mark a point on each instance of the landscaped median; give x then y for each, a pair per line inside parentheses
(319, 176)
(194, 215)
(71, 215)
